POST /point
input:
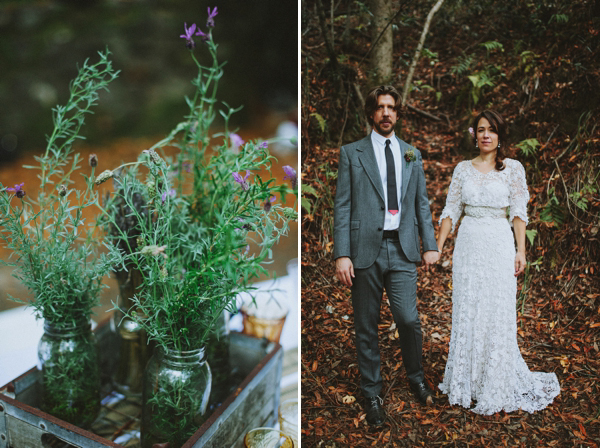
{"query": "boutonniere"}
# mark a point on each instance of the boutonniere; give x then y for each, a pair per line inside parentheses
(409, 156)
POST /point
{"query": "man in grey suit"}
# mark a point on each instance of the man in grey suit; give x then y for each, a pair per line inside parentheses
(381, 209)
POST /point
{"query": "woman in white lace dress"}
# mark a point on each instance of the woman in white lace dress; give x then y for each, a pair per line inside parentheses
(484, 361)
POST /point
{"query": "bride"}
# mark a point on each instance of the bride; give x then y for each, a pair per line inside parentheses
(484, 361)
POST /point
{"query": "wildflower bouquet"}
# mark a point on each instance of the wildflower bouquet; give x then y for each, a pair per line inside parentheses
(53, 250)
(56, 257)
(204, 206)
(211, 215)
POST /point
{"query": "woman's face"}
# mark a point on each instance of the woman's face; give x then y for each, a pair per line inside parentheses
(487, 138)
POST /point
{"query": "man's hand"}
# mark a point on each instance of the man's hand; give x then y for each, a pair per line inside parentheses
(344, 270)
(430, 257)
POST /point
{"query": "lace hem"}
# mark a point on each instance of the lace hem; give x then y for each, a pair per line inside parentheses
(544, 389)
(448, 214)
(518, 213)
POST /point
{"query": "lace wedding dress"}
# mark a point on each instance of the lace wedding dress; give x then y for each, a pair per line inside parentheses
(484, 361)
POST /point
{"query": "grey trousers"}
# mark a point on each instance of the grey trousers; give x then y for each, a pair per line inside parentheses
(394, 272)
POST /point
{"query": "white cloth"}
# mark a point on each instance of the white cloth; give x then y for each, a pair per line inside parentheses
(391, 222)
(484, 361)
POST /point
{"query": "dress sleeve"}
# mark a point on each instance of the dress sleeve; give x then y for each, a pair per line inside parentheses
(519, 195)
(454, 204)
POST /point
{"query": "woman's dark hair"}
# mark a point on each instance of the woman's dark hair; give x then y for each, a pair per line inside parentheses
(500, 127)
(371, 100)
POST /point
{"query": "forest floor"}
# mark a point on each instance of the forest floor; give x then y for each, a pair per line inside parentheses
(558, 308)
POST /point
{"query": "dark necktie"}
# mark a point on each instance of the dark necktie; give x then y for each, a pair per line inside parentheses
(392, 192)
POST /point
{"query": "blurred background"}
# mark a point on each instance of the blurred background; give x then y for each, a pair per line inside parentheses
(42, 42)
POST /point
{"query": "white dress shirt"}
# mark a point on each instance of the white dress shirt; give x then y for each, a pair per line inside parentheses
(391, 221)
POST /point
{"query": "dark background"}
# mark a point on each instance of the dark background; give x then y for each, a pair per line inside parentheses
(42, 42)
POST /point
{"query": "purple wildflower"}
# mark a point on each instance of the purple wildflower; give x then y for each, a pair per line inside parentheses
(471, 132)
(210, 22)
(291, 175)
(171, 193)
(189, 32)
(268, 203)
(242, 181)
(17, 190)
(264, 145)
(236, 140)
(203, 36)
(244, 226)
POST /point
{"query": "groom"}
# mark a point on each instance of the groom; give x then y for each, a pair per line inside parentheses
(381, 209)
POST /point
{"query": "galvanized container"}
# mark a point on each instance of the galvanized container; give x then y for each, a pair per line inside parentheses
(253, 403)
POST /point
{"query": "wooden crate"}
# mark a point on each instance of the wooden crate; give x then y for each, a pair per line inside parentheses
(254, 403)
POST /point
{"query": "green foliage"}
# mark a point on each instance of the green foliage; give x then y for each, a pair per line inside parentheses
(582, 197)
(527, 60)
(306, 202)
(203, 209)
(553, 211)
(492, 46)
(531, 234)
(559, 18)
(433, 56)
(463, 65)
(54, 253)
(529, 146)
(420, 85)
(320, 120)
(482, 80)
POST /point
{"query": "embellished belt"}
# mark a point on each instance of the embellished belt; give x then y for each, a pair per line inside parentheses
(484, 212)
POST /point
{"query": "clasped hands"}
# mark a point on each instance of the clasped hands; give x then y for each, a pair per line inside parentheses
(430, 258)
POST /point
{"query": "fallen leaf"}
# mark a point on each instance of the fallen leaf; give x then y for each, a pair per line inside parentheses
(348, 399)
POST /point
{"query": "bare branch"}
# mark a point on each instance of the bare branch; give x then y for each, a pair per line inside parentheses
(413, 64)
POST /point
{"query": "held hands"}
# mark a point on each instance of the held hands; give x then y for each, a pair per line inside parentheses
(429, 258)
(344, 270)
(520, 263)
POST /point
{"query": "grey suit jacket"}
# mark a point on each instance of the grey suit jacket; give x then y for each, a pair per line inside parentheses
(359, 210)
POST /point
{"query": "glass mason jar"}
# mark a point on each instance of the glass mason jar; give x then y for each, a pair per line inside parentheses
(134, 348)
(175, 396)
(217, 349)
(69, 372)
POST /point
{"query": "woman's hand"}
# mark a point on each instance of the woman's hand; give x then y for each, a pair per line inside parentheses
(520, 263)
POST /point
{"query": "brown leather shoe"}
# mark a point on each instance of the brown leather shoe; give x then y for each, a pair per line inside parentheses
(423, 393)
(375, 411)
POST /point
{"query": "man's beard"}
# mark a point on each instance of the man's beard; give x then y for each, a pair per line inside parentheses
(381, 131)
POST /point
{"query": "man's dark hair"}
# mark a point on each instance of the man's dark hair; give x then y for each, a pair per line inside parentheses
(371, 100)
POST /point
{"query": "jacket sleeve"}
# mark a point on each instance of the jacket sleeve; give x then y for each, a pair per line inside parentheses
(423, 211)
(342, 208)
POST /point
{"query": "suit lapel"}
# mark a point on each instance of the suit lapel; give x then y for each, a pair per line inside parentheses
(406, 169)
(369, 163)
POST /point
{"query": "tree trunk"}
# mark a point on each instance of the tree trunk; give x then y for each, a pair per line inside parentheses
(413, 65)
(381, 41)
